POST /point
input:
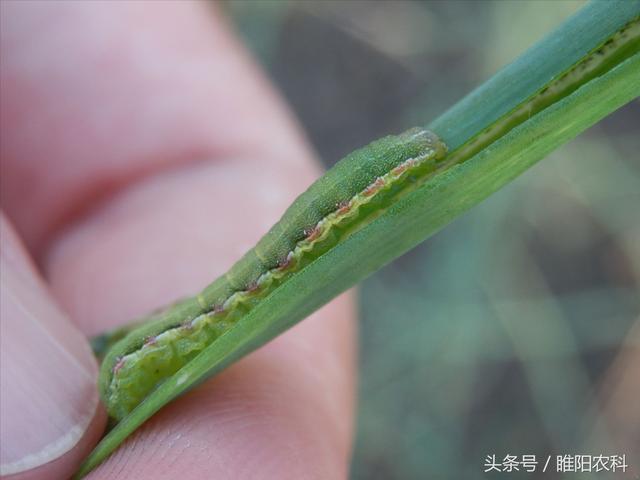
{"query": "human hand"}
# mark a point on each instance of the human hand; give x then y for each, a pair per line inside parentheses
(142, 153)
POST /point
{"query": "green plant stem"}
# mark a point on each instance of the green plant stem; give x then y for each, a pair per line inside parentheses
(543, 99)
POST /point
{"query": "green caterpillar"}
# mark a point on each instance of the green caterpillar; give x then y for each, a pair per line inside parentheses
(352, 194)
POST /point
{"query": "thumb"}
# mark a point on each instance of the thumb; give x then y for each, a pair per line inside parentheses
(49, 414)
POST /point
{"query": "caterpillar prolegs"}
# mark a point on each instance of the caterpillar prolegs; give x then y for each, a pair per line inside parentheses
(348, 197)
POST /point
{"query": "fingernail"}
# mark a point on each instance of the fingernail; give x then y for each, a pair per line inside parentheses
(47, 382)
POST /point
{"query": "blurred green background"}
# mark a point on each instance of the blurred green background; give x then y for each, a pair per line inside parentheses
(516, 330)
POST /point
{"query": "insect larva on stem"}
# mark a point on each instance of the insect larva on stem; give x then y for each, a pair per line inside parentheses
(306, 230)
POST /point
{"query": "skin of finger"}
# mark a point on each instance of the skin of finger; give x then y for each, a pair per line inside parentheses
(107, 118)
(65, 466)
(284, 411)
(51, 417)
(91, 90)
